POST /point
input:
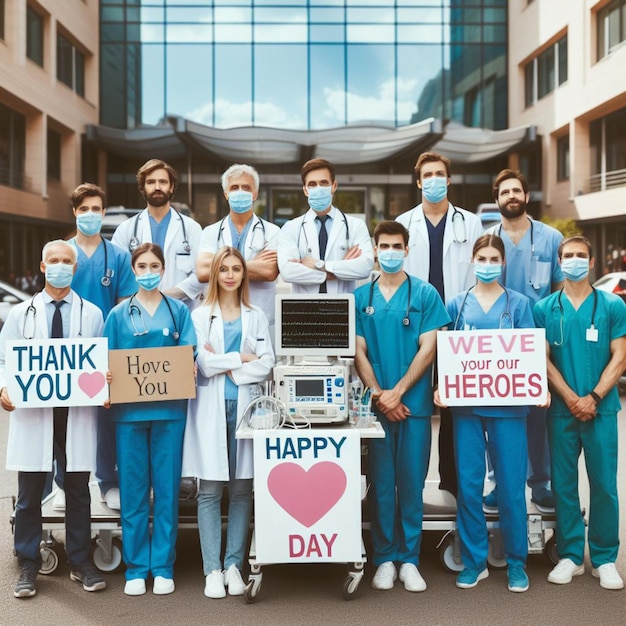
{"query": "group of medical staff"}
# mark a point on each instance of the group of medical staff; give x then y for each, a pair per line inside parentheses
(437, 270)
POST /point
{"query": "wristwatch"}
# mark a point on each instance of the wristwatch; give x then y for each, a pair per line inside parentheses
(320, 265)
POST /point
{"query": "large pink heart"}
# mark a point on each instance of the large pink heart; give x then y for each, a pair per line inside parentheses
(307, 495)
(92, 383)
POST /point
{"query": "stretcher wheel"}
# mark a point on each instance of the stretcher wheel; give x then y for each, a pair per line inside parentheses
(551, 551)
(100, 557)
(252, 588)
(495, 551)
(351, 586)
(447, 556)
(49, 560)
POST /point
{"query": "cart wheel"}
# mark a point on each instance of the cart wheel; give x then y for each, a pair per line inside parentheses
(446, 555)
(252, 589)
(351, 586)
(551, 552)
(495, 552)
(49, 560)
(100, 560)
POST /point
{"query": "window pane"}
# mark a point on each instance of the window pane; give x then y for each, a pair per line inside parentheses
(545, 64)
(233, 85)
(529, 73)
(328, 86)
(79, 71)
(152, 87)
(562, 45)
(34, 36)
(64, 61)
(54, 155)
(562, 150)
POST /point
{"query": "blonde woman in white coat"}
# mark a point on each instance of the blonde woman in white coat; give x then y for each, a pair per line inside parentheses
(234, 353)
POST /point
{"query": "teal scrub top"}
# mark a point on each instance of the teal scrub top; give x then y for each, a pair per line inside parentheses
(120, 331)
(528, 273)
(581, 362)
(392, 346)
(87, 281)
(512, 312)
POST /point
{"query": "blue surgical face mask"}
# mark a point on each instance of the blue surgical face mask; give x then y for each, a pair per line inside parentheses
(575, 268)
(320, 198)
(240, 201)
(487, 272)
(391, 261)
(89, 223)
(148, 281)
(59, 275)
(435, 188)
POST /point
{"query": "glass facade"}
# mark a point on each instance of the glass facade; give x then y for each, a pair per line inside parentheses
(303, 64)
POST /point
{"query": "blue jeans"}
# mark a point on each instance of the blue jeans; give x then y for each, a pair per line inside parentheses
(239, 509)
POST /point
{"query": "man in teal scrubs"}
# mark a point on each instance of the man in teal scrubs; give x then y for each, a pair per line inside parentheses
(397, 318)
(585, 334)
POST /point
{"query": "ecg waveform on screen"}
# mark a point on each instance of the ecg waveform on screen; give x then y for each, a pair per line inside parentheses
(315, 324)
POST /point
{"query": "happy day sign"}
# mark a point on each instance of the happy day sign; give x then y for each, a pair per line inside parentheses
(57, 372)
(492, 367)
(307, 496)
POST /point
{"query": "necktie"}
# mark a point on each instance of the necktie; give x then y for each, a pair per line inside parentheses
(323, 241)
(57, 320)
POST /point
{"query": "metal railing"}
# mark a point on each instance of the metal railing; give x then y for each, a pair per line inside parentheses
(607, 180)
(12, 178)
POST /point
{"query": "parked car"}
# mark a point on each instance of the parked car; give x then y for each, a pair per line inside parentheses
(489, 214)
(9, 297)
(615, 282)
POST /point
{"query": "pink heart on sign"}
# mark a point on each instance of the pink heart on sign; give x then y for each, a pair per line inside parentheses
(307, 495)
(92, 383)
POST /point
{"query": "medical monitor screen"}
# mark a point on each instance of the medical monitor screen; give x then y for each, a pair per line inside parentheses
(310, 387)
(311, 324)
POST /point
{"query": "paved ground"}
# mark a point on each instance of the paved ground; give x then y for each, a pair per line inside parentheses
(311, 594)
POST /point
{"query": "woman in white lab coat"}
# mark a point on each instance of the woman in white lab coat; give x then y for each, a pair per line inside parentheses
(234, 353)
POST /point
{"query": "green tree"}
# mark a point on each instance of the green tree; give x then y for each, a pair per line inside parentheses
(567, 227)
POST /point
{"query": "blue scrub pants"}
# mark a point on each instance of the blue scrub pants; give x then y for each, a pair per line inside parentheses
(538, 449)
(397, 469)
(106, 472)
(598, 439)
(149, 454)
(507, 437)
(77, 510)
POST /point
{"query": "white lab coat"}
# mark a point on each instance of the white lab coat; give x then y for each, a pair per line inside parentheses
(180, 266)
(30, 440)
(299, 238)
(262, 235)
(458, 274)
(205, 448)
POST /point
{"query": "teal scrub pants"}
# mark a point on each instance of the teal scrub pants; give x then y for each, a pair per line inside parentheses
(149, 454)
(508, 450)
(397, 469)
(598, 439)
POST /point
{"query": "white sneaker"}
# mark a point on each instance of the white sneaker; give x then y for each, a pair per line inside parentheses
(385, 576)
(214, 587)
(112, 498)
(135, 587)
(608, 575)
(411, 578)
(234, 582)
(163, 586)
(58, 503)
(564, 571)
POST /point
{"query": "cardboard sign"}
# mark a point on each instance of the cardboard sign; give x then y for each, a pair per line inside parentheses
(307, 496)
(57, 372)
(152, 374)
(492, 367)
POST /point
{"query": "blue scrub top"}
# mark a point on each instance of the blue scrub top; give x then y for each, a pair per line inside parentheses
(239, 239)
(232, 343)
(120, 331)
(512, 312)
(391, 346)
(87, 281)
(534, 278)
(158, 230)
(582, 362)
(435, 236)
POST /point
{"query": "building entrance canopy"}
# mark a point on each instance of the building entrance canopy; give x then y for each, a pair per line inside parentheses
(347, 145)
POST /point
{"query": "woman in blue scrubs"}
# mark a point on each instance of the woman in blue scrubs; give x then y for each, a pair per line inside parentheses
(235, 353)
(149, 434)
(489, 305)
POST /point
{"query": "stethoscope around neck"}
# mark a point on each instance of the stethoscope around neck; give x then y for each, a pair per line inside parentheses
(322, 225)
(134, 242)
(533, 258)
(258, 222)
(506, 314)
(370, 310)
(457, 220)
(562, 313)
(31, 310)
(135, 311)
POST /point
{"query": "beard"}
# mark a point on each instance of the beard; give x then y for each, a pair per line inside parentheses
(513, 208)
(158, 199)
